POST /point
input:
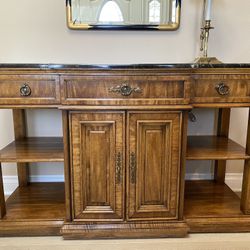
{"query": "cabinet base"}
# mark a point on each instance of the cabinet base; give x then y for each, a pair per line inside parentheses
(219, 225)
(125, 230)
(30, 228)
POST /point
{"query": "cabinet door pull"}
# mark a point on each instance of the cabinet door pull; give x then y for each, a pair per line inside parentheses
(25, 90)
(133, 167)
(125, 89)
(222, 89)
(118, 168)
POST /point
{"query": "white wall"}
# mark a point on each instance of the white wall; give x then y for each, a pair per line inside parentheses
(34, 31)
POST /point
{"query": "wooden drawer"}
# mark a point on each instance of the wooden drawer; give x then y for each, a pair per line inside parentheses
(125, 90)
(29, 89)
(222, 88)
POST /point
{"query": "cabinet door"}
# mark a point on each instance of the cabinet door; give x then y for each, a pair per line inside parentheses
(153, 154)
(97, 166)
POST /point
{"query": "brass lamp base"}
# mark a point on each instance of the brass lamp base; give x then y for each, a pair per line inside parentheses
(207, 60)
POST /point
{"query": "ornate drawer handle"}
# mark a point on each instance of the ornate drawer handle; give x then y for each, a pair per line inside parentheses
(118, 168)
(222, 89)
(125, 89)
(133, 167)
(25, 90)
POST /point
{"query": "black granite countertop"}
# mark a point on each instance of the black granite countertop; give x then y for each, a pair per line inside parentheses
(125, 66)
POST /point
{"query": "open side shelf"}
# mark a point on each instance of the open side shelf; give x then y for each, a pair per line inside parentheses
(37, 201)
(210, 199)
(214, 148)
(37, 209)
(213, 207)
(34, 149)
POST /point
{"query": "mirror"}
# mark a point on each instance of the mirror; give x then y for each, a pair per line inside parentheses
(123, 14)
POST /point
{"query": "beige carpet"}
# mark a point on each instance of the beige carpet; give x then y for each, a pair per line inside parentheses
(193, 242)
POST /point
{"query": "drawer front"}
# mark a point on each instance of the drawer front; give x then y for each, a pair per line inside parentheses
(29, 90)
(124, 90)
(222, 88)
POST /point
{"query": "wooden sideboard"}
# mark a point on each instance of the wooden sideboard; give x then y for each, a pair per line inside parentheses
(124, 148)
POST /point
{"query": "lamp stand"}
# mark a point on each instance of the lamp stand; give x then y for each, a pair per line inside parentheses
(204, 59)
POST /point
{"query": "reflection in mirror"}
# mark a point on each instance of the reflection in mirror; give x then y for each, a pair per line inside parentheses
(154, 11)
(110, 12)
(124, 13)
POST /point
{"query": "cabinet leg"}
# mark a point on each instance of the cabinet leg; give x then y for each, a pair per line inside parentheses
(220, 171)
(222, 130)
(245, 196)
(2, 198)
(23, 174)
(20, 132)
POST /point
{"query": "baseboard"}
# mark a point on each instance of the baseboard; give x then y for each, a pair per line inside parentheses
(199, 176)
(46, 178)
(10, 184)
(233, 180)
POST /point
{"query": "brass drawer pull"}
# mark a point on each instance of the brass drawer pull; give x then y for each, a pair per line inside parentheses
(118, 168)
(125, 89)
(25, 90)
(222, 89)
(133, 167)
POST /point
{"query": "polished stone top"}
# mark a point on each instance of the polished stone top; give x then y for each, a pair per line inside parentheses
(125, 66)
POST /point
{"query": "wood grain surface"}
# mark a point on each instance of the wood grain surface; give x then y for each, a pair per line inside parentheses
(34, 149)
(214, 148)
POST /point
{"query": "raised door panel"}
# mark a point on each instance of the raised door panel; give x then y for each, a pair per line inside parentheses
(154, 165)
(97, 166)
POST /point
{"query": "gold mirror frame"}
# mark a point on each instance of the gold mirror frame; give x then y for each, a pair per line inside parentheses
(84, 26)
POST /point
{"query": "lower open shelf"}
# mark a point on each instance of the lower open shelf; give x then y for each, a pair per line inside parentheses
(213, 207)
(208, 199)
(38, 209)
(40, 201)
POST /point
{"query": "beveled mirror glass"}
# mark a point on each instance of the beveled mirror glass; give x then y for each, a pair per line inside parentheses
(124, 14)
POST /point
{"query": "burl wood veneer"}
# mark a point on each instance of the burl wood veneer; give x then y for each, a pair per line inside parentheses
(124, 149)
